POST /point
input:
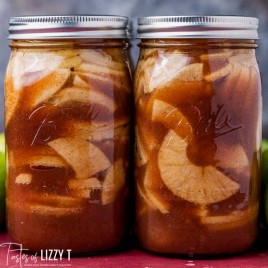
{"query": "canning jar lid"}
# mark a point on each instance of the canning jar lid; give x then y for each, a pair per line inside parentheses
(68, 27)
(197, 27)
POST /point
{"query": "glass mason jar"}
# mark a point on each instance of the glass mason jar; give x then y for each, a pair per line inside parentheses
(67, 112)
(198, 132)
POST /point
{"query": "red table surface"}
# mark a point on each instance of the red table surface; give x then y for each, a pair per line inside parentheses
(256, 257)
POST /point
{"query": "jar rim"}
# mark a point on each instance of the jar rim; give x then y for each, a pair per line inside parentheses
(198, 27)
(69, 27)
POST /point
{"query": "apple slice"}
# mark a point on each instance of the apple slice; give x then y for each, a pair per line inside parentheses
(152, 185)
(146, 204)
(40, 157)
(12, 97)
(51, 210)
(85, 158)
(83, 188)
(26, 69)
(105, 81)
(37, 93)
(143, 76)
(113, 182)
(171, 117)
(24, 178)
(100, 132)
(44, 89)
(113, 75)
(71, 62)
(220, 56)
(45, 210)
(30, 67)
(219, 73)
(234, 220)
(140, 150)
(138, 83)
(166, 68)
(192, 72)
(232, 82)
(49, 205)
(55, 200)
(246, 60)
(101, 70)
(144, 197)
(78, 82)
(218, 63)
(81, 95)
(66, 52)
(100, 58)
(49, 161)
(197, 184)
(110, 132)
(153, 52)
(231, 156)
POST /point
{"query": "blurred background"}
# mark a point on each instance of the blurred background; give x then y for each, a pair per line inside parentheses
(134, 9)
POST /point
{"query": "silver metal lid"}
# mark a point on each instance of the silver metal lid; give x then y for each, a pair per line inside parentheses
(227, 27)
(66, 27)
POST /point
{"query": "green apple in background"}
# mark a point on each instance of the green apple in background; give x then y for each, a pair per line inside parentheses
(264, 177)
(264, 145)
(264, 170)
(2, 181)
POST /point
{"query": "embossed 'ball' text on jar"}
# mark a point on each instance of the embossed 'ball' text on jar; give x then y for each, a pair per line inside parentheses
(198, 132)
(67, 110)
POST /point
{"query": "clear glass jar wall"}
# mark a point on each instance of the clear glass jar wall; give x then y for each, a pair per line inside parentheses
(198, 131)
(67, 112)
